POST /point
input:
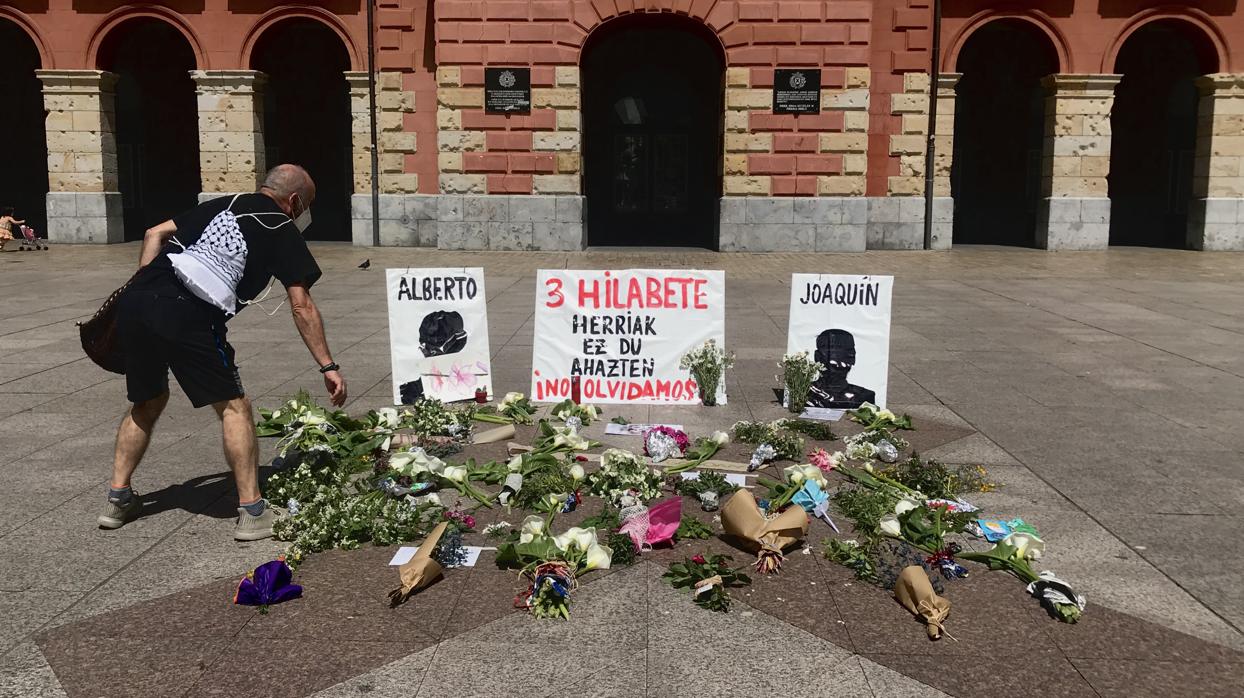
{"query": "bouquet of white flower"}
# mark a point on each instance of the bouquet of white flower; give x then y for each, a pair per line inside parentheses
(707, 364)
(799, 372)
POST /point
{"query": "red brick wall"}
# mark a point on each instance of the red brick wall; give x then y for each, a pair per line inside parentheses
(900, 44)
(758, 34)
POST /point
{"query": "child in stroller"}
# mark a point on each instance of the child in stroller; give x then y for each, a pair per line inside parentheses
(27, 241)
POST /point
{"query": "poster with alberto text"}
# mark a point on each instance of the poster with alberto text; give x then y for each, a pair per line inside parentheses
(438, 334)
(623, 332)
(843, 322)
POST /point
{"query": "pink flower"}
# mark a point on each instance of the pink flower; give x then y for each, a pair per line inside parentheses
(821, 459)
(698, 559)
(468, 521)
(680, 438)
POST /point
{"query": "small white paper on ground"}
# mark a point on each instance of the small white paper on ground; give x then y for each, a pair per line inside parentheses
(824, 414)
(404, 554)
(739, 479)
(615, 429)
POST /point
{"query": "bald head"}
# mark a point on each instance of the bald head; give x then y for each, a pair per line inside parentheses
(290, 187)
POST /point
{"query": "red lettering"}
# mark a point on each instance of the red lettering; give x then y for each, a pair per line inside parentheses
(648, 390)
(555, 293)
(633, 391)
(700, 293)
(654, 292)
(585, 295)
(634, 293)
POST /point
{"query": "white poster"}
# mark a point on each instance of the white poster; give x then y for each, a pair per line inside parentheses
(843, 322)
(623, 332)
(438, 334)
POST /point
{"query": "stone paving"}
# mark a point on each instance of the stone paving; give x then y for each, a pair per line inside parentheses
(1104, 390)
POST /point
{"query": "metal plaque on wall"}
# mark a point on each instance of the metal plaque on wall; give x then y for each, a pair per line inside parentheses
(797, 91)
(507, 90)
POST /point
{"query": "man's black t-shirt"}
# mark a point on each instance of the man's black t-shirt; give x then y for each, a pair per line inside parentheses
(275, 247)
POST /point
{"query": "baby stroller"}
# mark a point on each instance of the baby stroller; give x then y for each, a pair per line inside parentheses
(30, 241)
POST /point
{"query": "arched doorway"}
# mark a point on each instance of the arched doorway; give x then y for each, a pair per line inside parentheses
(23, 178)
(307, 115)
(1153, 126)
(652, 121)
(156, 128)
(999, 128)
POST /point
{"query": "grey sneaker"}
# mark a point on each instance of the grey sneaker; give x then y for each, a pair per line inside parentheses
(116, 516)
(257, 527)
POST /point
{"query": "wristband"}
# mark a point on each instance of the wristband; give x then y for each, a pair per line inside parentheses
(330, 367)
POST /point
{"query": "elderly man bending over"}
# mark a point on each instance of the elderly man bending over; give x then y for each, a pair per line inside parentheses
(199, 270)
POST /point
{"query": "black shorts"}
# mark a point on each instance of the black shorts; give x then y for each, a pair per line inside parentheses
(161, 327)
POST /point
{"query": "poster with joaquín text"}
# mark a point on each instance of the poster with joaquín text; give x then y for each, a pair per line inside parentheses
(623, 333)
(843, 322)
(438, 334)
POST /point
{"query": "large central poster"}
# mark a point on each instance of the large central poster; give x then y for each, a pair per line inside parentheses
(623, 332)
(843, 323)
(438, 334)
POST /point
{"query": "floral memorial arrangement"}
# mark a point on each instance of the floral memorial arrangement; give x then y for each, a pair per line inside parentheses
(707, 364)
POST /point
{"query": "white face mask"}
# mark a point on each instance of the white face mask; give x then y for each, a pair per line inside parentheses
(303, 221)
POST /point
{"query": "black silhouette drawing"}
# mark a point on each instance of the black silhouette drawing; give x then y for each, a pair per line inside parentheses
(835, 350)
(441, 332)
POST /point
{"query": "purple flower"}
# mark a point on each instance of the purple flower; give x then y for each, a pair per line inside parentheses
(269, 583)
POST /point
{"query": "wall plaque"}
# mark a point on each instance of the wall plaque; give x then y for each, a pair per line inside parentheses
(797, 91)
(507, 90)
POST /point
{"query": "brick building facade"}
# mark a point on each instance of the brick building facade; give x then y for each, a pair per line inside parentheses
(651, 122)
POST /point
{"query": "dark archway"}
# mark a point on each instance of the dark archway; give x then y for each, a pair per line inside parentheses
(999, 128)
(652, 122)
(307, 115)
(23, 178)
(157, 127)
(1153, 127)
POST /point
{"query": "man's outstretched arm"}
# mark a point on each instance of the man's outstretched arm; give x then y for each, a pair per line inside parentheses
(311, 327)
(153, 240)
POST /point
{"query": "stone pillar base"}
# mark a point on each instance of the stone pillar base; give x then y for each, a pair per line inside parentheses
(1216, 224)
(85, 217)
(831, 224)
(472, 222)
(1069, 223)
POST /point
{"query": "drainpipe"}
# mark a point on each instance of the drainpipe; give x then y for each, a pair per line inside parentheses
(371, 115)
(930, 148)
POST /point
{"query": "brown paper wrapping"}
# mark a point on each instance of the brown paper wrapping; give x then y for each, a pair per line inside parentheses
(741, 517)
(494, 435)
(914, 591)
(421, 570)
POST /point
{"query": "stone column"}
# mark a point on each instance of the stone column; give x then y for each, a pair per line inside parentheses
(84, 197)
(1075, 213)
(231, 143)
(405, 219)
(1216, 217)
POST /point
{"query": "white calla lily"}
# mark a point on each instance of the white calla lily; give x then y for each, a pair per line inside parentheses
(554, 501)
(905, 505)
(415, 461)
(388, 417)
(577, 473)
(532, 528)
(721, 438)
(598, 557)
(312, 420)
(890, 526)
(886, 414)
(454, 473)
(798, 473)
(515, 464)
(591, 411)
(1027, 545)
(575, 539)
(571, 439)
(511, 398)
